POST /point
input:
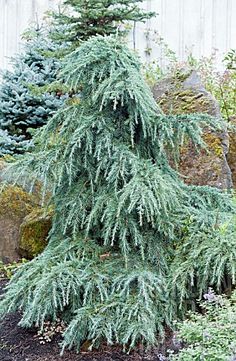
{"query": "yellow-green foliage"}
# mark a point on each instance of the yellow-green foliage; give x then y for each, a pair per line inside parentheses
(34, 232)
(210, 335)
(8, 270)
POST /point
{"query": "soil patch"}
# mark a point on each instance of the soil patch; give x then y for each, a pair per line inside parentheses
(18, 344)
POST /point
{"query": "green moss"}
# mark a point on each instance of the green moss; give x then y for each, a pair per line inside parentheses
(185, 102)
(34, 232)
(16, 203)
(214, 143)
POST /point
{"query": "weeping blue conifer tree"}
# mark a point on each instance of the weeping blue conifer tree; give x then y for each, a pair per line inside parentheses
(119, 206)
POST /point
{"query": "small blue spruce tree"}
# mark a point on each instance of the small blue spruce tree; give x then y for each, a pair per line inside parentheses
(22, 110)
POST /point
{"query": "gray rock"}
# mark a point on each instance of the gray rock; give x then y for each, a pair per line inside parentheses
(185, 94)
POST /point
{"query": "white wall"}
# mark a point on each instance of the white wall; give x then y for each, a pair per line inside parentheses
(15, 17)
(199, 25)
(196, 25)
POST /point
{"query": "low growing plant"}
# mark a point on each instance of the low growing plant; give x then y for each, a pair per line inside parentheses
(7, 270)
(210, 335)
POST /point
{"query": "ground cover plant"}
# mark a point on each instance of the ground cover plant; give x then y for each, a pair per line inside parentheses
(120, 209)
(209, 335)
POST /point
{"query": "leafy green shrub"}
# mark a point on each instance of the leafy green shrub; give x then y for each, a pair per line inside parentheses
(211, 335)
(221, 83)
(230, 59)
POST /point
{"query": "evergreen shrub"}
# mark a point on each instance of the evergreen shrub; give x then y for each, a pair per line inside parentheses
(21, 110)
(120, 208)
(78, 20)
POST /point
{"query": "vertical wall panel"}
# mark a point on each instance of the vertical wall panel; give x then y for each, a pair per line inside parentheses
(192, 25)
(207, 27)
(15, 17)
(199, 26)
(221, 27)
(185, 25)
(229, 22)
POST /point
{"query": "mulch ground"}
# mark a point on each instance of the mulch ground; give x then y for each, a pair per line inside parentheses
(17, 344)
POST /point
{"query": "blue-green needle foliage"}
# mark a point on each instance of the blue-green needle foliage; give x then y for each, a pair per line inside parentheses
(119, 206)
(21, 110)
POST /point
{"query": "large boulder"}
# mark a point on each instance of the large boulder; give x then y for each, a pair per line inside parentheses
(34, 232)
(185, 94)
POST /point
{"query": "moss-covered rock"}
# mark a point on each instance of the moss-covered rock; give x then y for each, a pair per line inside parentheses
(185, 94)
(24, 226)
(15, 205)
(34, 232)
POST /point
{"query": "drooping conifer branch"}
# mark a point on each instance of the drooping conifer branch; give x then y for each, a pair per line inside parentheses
(120, 209)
